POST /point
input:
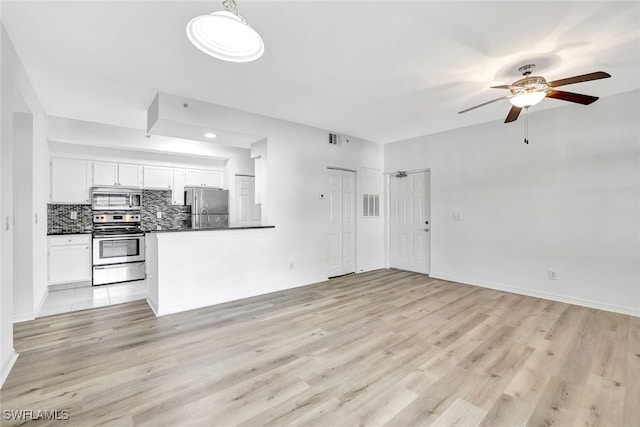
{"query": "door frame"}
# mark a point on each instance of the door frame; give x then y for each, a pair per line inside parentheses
(355, 220)
(387, 222)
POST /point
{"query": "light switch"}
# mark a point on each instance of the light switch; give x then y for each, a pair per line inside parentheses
(159, 215)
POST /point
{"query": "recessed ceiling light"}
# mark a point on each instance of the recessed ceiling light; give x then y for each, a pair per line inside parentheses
(210, 135)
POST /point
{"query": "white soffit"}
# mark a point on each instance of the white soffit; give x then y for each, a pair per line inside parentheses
(184, 118)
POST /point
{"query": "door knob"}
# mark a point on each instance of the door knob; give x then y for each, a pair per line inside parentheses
(426, 229)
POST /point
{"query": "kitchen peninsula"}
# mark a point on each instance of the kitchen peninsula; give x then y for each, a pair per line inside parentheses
(188, 269)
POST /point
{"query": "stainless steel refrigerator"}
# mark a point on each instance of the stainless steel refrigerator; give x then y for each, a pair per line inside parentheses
(209, 207)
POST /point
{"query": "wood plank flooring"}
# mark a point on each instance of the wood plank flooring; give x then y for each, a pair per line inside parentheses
(385, 348)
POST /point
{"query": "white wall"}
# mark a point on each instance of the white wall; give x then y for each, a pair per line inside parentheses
(24, 246)
(7, 353)
(569, 202)
(23, 289)
(298, 156)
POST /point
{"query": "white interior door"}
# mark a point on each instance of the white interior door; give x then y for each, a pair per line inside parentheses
(247, 209)
(342, 219)
(409, 224)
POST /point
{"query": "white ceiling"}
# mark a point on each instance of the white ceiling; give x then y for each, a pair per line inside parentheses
(379, 70)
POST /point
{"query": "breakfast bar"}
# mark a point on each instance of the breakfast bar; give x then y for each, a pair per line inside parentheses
(188, 269)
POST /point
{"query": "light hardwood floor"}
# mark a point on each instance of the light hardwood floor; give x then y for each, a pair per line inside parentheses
(382, 348)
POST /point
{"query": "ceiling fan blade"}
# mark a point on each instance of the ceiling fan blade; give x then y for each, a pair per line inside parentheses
(482, 105)
(579, 79)
(503, 87)
(578, 98)
(513, 114)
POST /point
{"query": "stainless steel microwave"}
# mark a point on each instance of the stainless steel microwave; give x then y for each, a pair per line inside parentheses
(116, 199)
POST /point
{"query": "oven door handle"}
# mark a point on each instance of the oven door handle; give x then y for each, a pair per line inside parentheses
(118, 238)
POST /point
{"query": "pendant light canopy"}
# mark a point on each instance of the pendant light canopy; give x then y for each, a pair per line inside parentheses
(226, 35)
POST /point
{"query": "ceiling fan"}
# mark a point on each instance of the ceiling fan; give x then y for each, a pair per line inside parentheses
(530, 90)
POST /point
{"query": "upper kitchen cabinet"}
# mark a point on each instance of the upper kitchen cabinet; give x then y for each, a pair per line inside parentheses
(117, 174)
(70, 181)
(193, 178)
(177, 193)
(203, 178)
(212, 179)
(156, 177)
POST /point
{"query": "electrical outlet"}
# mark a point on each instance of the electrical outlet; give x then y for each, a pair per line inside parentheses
(73, 215)
(552, 275)
(456, 216)
(291, 266)
(158, 227)
(159, 215)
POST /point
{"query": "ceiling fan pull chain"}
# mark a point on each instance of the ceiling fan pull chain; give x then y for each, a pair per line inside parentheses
(526, 125)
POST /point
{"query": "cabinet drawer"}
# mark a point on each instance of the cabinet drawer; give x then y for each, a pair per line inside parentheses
(70, 239)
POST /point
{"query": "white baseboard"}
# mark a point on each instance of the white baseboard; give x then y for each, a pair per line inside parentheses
(7, 365)
(534, 293)
(152, 307)
(44, 298)
(25, 317)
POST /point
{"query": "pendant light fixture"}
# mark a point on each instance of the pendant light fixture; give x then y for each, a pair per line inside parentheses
(226, 35)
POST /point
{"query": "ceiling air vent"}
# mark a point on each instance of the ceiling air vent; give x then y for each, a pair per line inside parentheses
(333, 139)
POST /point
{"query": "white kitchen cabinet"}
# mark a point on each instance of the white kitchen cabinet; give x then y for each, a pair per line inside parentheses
(177, 192)
(129, 175)
(69, 258)
(116, 174)
(156, 177)
(203, 178)
(212, 179)
(105, 173)
(193, 178)
(70, 180)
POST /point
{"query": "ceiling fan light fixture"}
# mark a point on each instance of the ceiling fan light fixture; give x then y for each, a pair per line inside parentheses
(225, 35)
(527, 99)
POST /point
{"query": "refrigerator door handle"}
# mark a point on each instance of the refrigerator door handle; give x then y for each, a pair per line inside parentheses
(195, 217)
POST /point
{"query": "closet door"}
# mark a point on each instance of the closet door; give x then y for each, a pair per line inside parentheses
(342, 215)
(247, 210)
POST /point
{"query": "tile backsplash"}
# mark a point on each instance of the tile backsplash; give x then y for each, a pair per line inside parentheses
(173, 217)
(59, 218)
(153, 201)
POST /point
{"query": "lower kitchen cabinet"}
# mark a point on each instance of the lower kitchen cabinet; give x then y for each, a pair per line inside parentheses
(69, 258)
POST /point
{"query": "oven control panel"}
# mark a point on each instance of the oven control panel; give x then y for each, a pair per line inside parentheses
(111, 217)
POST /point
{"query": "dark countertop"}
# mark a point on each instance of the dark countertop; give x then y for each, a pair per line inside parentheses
(212, 229)
(68, 233)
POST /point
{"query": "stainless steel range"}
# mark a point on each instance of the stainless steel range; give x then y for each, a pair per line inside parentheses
(118, 247)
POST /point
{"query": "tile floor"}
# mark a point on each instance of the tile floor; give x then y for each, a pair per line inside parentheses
(66, 300)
